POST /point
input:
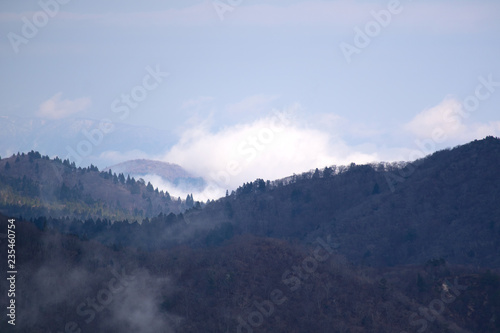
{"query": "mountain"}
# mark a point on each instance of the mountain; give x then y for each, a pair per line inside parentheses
(378, 215)
(446, 205)
(387, 247)
(247, 284)
(168, 172)
(33, 185)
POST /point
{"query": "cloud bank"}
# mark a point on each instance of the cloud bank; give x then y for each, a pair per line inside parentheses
(271, 147)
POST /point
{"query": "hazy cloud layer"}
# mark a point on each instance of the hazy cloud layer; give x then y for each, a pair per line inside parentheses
(57, 108)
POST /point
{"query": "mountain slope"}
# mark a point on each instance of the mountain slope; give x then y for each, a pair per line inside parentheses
(33, 186)
(248, 283)
(447, 207)
(435, 212)
(404, 247)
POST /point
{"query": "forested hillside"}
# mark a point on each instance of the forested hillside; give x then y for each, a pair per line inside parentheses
(399, 247)
(431, 214)
(246, 284)
(32, 185)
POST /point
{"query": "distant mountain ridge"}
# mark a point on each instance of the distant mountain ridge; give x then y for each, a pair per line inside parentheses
(33, 185)
(169, 172)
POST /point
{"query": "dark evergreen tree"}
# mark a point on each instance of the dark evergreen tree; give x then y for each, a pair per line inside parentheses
(189, 201)
(260, 184)
(150, 187)
(316, 174)
(328, 172)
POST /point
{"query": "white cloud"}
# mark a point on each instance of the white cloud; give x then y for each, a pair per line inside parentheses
(450, 124)
(438, 118)
(55, 108)
(176, 191)
(271, 147)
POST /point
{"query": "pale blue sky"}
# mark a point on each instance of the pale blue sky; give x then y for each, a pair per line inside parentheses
(264, 55)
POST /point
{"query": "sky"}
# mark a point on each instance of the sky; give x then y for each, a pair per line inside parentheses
(256, 89)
